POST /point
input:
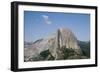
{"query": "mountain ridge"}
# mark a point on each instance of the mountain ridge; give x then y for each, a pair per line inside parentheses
(56, 44)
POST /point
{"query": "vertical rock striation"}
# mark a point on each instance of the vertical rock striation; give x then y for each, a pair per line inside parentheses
(57, 43)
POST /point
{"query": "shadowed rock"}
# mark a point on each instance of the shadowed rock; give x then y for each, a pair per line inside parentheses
(57, 43)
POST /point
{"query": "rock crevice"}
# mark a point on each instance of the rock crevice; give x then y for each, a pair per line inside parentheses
(57, 44)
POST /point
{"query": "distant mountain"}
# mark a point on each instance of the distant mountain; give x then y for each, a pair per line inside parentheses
(60, 45)
(38, 41)
(85, 47)
(27, 44)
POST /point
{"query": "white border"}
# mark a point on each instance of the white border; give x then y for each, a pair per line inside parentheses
(22, 64)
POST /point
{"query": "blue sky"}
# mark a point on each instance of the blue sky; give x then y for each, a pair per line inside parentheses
(39, 25)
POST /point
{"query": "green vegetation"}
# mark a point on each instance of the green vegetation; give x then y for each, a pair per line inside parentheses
(46, 55)
(67, 53)
(85, 47)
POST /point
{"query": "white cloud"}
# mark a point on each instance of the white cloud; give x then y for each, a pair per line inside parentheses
(46, 19)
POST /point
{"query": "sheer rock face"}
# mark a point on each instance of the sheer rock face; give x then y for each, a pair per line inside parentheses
(62, 38)
(69, 40)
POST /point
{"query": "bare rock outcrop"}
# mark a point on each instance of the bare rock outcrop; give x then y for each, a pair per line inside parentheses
(57, 43)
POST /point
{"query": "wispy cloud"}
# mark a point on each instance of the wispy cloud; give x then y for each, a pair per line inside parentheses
(46, 19)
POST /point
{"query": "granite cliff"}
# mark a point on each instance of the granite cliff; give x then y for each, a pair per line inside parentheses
(60, 45)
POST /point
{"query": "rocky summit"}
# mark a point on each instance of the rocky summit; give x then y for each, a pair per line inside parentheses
(58, 46)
